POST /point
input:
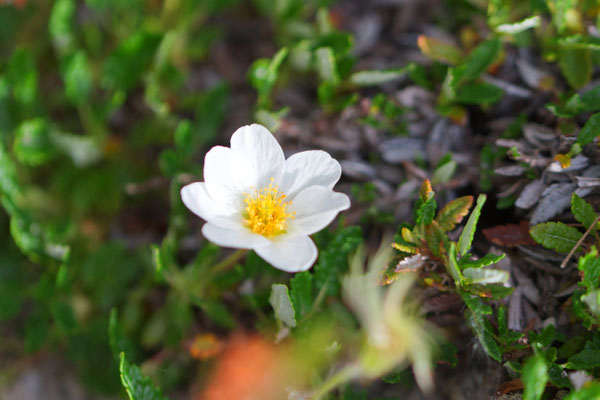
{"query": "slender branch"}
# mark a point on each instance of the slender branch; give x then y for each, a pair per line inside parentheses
(342, 376)
(229, 262)
(568, 257)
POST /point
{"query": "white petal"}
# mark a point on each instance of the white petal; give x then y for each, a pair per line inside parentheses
(239, 238)
(196, 198)
(227, 175)
(315, 207)
(309, 168)
(289, 253)
(263, 152)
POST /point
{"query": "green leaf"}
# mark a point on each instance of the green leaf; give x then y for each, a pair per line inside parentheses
(556, 236)
(217, 311)
(485, 333)
(588, 358)
(485, 275)
(376, 77)
(22, 74)
(333, 259)
(534, 377)
(77, 75)
(264, 72)
(452, 265)
(484, 261)
(576, 66)
(138, 386)
(466, 237)
(583, 211)
(591, 391)
(436, 239)
(426, 212)
(480, 59)
(544, 338)
(63, 316)
(453, 212)
(478, 93)
(301, 293)
(61, 25)
(589, 264)
(327, 66)
(33, 145)
(9, 183)
(126, 66)
(282, 305)
(119, 342)
(590, 130)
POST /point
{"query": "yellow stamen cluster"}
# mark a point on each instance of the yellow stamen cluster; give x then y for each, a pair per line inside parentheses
(266, 211)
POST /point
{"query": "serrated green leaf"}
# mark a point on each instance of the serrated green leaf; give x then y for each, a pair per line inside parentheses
(327, 66)
(138, 386)
(282, 305)
(453, 212)
(544, 338)
(466, 237)
(301, 293)
(484, 261)
(485, 275)
(485, 333)
(589, 264)
(590, 130)
(534, 377)
(478, 93)
(426, 212)
(556, 236)
(576, 66)
(583, 211)
(588, 358)
(480, 59)
(435, 238)
(376, 77)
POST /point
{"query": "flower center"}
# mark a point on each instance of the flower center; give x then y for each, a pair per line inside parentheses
(266, 212)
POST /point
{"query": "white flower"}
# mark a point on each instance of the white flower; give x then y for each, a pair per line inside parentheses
(253, 198)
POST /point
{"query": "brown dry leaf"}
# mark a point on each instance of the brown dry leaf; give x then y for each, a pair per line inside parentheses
(510, 387)
(510, 234)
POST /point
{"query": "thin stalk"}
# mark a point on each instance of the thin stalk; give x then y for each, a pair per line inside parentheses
(579, 242)
(229, 262)
(342, 376)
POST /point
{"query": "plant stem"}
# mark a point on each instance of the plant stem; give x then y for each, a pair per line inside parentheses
(230, 261)
(343, 375)
(568, 257)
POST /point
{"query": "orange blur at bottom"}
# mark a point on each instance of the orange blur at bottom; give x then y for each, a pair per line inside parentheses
(250, 368)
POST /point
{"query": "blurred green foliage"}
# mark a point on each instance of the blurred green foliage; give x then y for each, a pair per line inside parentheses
(106, 110)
